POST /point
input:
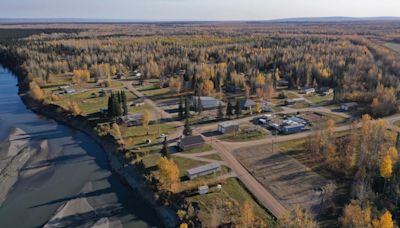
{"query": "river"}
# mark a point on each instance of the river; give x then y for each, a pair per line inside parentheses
(80, 170)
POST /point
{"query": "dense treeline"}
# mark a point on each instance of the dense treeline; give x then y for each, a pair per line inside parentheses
(209, 64)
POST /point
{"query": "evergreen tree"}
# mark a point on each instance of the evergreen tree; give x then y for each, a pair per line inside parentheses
(199, 105)
(238, 108)
(220, 114)
(229, 109)
(164, 149)
(187, 108)
(116, 105)
(187, 131)
(110, 108)
(180, 108)
(124, 103)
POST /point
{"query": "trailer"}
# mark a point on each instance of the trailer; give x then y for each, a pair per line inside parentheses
(292, 129)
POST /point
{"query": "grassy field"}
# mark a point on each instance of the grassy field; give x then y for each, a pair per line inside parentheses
(394, 46)
(204, 148)
(316, 98)
(186, 163)
(244, 136)
(228, 202)
(213, 157)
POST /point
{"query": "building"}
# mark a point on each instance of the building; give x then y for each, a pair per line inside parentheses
(283, 82)
(207, 103)
(348, 106)
(293, 101)
(247, 104)
(297, 120)
(203, 170)
(67, 89)
(309, 91)
(203, 190)
(291, 129)
(190, 142)
(325, 91)
(266, 107)
(130, 119)
(138, 102)
(228, 127)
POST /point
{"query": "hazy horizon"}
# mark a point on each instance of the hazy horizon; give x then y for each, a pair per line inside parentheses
(196, 10)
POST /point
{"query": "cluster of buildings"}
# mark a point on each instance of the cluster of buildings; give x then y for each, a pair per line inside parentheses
(285, 125)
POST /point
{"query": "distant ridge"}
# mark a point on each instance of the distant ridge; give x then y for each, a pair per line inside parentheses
(90, 20)
(336, 19)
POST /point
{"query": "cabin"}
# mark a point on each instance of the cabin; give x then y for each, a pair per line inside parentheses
(228, 127)
(348, 106)
(202, 190)
(294, 101)
(325, 91)
(190, 142)
(293, 128)
(203, 170)
(247, 104)
(67, 90)
(130, 119)
(138, 102)
(206, 103)
(309, 91)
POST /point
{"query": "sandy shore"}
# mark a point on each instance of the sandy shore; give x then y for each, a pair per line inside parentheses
(78, 212)
(20, 158)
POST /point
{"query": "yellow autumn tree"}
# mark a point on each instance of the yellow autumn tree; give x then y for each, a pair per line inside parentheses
(394, 154)
(355, 216)
(208, 87)
(175, 84)
(183, 225)
(74, 108)
(116, 131)
(386, 167)
(386, 220)
(258, 107)
(146, 121)
(36, 92)
(247, 214)
(297, 218)
(168, 175)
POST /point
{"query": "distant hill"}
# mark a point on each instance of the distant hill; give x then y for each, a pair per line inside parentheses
(336, 19)
(89, 20)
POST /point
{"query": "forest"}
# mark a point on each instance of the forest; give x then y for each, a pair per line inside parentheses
(254, 58)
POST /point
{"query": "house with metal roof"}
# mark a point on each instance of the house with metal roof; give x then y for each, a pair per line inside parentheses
(206, 103)
(203, 170)
(130, 119)
(228, 127)
(348, 106)
(247, 104)
(190, 142)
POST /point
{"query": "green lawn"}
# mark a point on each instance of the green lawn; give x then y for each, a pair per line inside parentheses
(228, 202)
(316, 98)
(213, 157)
(204, 148)
(394, 46)
(300, 105)
(244, 136)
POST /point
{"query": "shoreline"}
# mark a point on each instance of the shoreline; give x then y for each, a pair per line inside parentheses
(127, 173)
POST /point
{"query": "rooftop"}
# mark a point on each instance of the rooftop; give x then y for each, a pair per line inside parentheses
(203, 168)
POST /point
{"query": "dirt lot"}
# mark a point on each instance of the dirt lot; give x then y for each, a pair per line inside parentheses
(288, 179)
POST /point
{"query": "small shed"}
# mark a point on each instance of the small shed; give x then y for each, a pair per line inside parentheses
(248, 104)
(228, 127)
(138, 102)
(67, 89)
(203, 170)
(203, 190)
(309, 91)
(190, 142)
(325, 91)
(348, 106)
(130, 119)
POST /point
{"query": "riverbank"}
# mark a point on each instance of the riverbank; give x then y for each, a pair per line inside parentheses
(129, 174)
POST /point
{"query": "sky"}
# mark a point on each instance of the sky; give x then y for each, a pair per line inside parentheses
(196, 9)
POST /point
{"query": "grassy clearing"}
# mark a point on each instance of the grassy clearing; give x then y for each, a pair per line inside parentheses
(316, 98)
(244, 136)
(204, 148)
(186, 163)
(394, 46)
(300, 105)
(213, 157)
(136, 136)
(228, 202)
